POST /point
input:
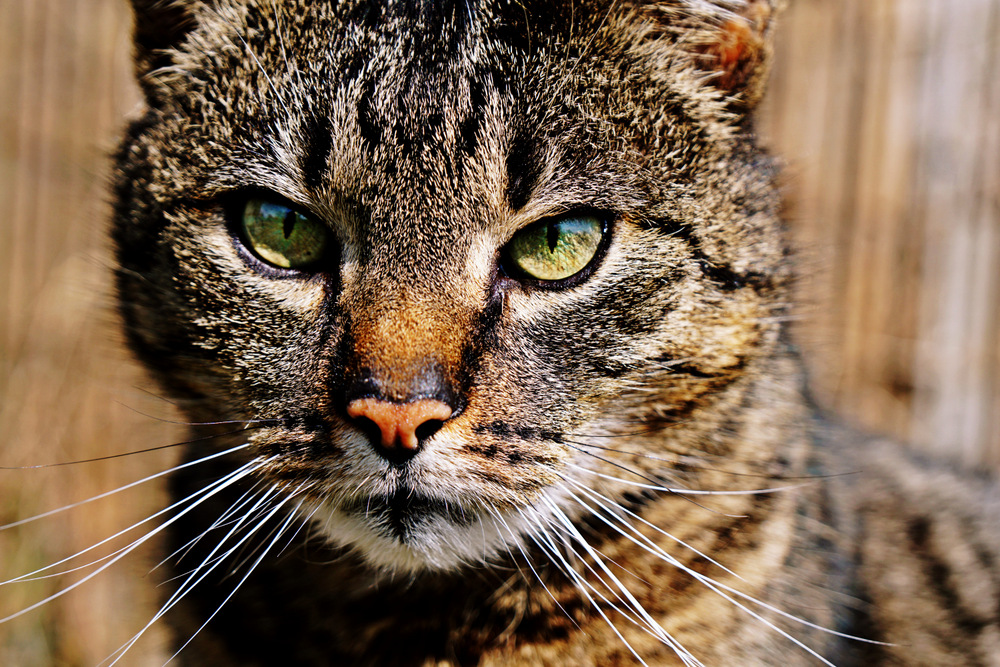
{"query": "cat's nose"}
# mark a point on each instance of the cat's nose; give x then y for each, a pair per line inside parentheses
(399, 428)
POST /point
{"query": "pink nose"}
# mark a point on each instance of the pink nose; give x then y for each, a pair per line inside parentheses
(399, 422)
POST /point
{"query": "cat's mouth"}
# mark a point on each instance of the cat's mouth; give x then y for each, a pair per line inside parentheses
(403, 529)
(406, 512)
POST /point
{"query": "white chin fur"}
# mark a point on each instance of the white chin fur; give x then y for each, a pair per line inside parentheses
(435, 544)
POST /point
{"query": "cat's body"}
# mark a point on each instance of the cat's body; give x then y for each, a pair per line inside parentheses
(470, 455)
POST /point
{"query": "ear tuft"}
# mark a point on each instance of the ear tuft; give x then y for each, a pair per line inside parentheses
(739, 52)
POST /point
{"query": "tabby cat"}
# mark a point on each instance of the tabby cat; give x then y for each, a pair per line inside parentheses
(478, 310)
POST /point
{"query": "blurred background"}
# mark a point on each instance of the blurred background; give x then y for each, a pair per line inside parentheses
(887, 113)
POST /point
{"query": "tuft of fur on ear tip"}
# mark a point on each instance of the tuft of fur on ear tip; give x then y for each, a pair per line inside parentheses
(738, 48)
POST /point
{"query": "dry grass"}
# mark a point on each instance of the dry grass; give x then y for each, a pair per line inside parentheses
(889, 113)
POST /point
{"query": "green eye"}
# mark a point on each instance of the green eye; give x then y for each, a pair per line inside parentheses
(283, 237)
(555, 249)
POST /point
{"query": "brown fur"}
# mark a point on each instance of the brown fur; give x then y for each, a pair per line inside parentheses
(589, 417)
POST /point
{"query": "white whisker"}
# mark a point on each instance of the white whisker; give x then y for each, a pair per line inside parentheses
(208, 564)
(236, 524)
(719, 588)
(302, 525)
(123, 488)
(543, 539)
(223, 520)
(612, 508)
(692, 492)
(250, 570)
(30, 576)
(633, 603)
(232, 478)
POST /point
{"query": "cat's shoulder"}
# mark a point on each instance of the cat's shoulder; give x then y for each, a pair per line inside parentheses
(925, 549)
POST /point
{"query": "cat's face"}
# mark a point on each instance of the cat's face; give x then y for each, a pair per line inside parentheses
(542, 228)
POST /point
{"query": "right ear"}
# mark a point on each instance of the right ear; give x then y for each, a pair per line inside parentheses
(738, 50)
(160, 27)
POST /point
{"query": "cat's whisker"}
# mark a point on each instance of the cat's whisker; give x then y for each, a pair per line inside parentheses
(647, 621)
(124, 454)
(647, 544)
(125, 487)
(263, 553)
(223, 520)
(680, 650)
(650, 546)
(208, 564)
(235, 523)
(267, 77)
(301, 103)
(247, 423)
(559, 559)
(615, 510)
(230, 479)
(620, 466)
(541, 539)
(567, 76)
(641, 619)
(716, 587)
(30, 576)
(303, 525)
(632, 434)
(800, 621)
(685, 460)
(582, 584)
(640, 475)
(691, 492)
(499, 522)
(243, 561)
(516, 539)
(528, 274)
(255, 521)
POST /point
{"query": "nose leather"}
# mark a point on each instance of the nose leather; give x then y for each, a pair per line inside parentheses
(398, 422)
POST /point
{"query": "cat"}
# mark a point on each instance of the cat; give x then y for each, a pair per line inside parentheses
(478, 311)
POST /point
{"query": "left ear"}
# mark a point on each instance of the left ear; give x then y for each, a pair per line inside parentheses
(736, 50)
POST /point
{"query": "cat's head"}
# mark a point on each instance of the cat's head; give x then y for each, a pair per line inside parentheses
(450, 259)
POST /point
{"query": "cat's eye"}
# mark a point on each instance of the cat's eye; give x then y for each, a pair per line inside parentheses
(283, 237)
(555, 249)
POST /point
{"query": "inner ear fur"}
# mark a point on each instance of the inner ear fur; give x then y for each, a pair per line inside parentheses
(738, 50)
(728, 41)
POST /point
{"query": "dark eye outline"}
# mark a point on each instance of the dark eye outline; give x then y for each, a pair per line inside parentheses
(510, 270)
(234, 207)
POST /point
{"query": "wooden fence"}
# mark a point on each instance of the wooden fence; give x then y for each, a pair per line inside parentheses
(888, 112)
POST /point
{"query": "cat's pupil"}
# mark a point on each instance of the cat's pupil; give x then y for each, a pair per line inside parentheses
(553, 236)
(289, 224)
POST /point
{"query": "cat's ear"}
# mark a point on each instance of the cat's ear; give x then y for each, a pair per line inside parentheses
(738, 49)
(728, 41)
(160, 27)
